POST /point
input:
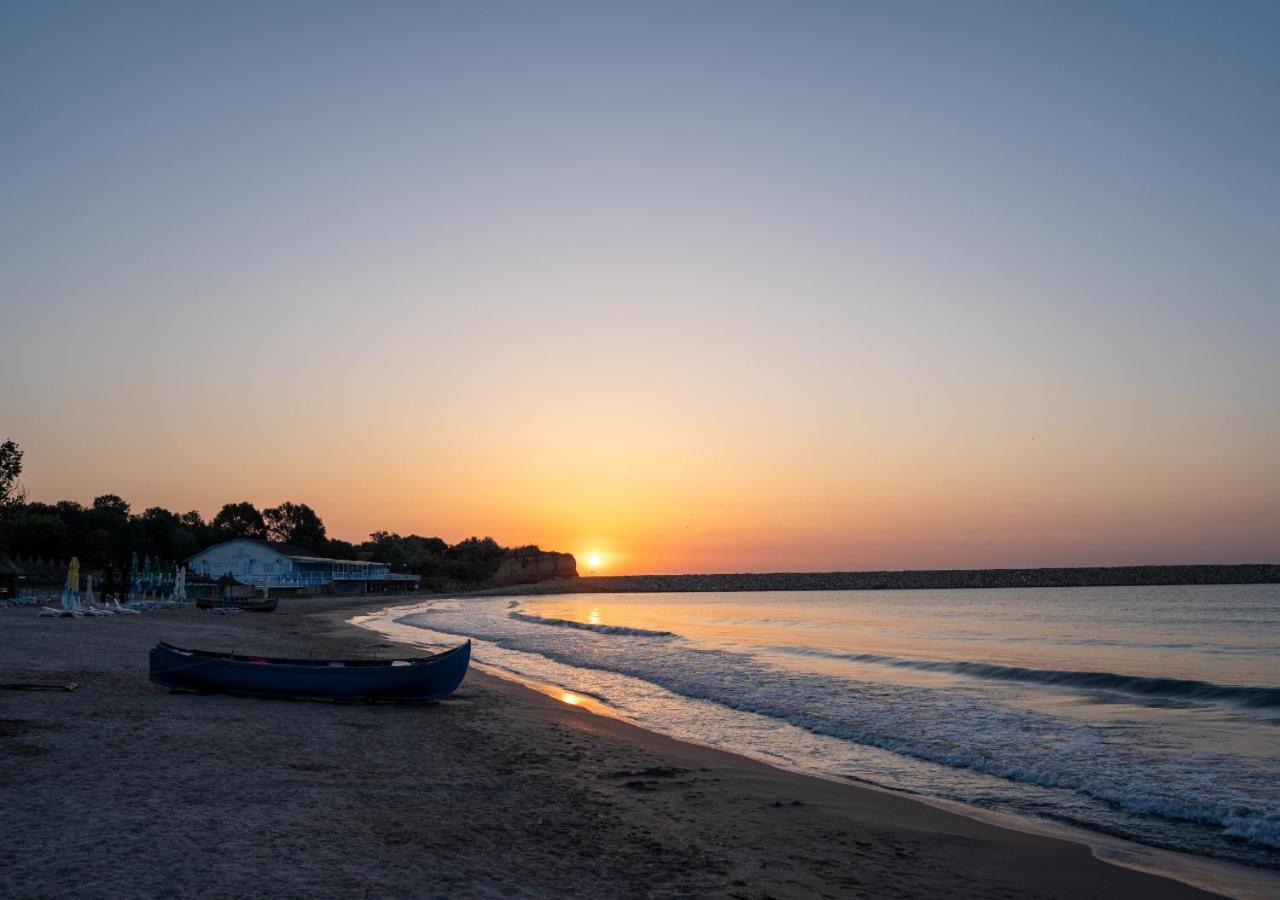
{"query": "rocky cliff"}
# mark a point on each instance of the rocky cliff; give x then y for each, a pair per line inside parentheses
(527, 565)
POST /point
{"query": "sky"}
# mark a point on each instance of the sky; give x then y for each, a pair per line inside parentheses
(695, 286)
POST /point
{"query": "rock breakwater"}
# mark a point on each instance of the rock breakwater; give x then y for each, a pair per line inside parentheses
(1097, 576)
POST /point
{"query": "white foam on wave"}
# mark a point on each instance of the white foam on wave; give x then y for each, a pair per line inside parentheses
(589, 626)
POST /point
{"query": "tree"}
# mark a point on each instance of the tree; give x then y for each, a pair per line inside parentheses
(415, 553)
(182, 543)
(10, 468)
(295, 523)
(192, 520)
(340, 549)
(110, 514)
(238, 520)
(474, 560)
(40, 534)
(11, 495)
(76, 518)
(110, 503)
(152, 532)
(196, 532)
(97, 548)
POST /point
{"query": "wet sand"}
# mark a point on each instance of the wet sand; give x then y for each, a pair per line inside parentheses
(122, 789)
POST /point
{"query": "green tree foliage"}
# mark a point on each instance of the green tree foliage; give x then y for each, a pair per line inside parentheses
(195, 533)
(182, 544)
(110, 514)
(415, 553)
(473, 560)
(192, 521)
(297, 524)
(10, 469)
(97, 548)
(73, 516)
(238, 520)
(11, 495)
(152, 532)
(40, 534)
(339, 549)
(112, 504)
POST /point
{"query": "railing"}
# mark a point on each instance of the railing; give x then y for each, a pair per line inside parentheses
(316, 579)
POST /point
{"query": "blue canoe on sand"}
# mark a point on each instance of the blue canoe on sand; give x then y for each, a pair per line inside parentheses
(423, 678)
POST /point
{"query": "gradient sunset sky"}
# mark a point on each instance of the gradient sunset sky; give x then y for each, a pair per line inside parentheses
(696, 286)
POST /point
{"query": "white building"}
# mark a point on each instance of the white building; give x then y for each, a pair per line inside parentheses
(257, 563)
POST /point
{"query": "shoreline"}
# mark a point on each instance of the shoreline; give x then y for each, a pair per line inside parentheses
(1206, 873)
(498, 790)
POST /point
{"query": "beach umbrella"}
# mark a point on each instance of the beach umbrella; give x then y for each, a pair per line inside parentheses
(89, 599)
(109, 581)
(71, 592)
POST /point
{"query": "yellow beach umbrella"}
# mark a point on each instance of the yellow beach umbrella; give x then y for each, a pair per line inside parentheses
(71, 592)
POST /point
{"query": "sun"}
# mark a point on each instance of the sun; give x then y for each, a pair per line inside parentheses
(594, 560)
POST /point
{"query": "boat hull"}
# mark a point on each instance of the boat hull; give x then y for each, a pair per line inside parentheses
(428, 678)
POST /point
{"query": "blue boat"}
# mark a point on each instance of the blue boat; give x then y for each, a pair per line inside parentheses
(423, 678)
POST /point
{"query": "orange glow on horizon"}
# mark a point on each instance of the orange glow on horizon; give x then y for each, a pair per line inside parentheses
(708, 490)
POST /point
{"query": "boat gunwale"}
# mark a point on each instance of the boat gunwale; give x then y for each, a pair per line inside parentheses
(309, 664)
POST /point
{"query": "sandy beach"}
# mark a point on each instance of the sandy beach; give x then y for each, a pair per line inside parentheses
(122, 789)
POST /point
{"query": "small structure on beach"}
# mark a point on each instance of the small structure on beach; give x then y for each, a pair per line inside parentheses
(293, 569)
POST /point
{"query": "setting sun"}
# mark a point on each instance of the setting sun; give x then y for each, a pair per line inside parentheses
(594, 560)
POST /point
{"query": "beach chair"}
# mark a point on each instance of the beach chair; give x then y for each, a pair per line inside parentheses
(70, 607)
(90, 607)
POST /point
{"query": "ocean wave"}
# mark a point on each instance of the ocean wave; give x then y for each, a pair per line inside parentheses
(588, 626)
(1071, 641)
(960, 728)
(1141, 685)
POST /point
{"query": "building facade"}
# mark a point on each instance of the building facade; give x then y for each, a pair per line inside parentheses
(268, 563)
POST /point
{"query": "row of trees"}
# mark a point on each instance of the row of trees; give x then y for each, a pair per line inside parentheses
(109, 531)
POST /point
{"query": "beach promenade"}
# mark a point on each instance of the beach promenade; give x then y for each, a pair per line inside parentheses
(121, 789)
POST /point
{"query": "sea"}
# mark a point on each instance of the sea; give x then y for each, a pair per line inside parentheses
(1147, 713)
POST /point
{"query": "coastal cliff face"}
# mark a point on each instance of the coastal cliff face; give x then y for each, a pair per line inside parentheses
(527, 566)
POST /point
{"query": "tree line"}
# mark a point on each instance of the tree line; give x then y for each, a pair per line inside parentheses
(109, 532)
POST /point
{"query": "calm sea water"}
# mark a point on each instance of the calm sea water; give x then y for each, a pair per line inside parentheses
(1148, 713)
